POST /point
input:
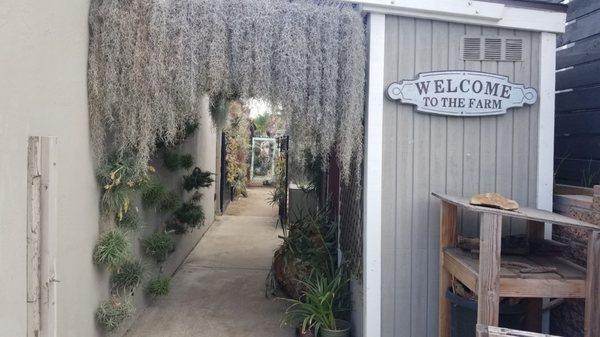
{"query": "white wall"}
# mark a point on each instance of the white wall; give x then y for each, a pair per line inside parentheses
(43, 60)
(43, 91)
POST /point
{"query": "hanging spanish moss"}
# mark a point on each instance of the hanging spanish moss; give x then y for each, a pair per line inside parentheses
(150, 62)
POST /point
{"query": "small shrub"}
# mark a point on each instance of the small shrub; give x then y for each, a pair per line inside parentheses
(156, 195)
(113, 312)
(153, 194)
(171, 160)
(190, 214)
(111, 249)
(186, 161)
(130, 220)
(177, 227)
(197, 179)
(128, 276)
(158, 286)
(170, 202)
(159, 245)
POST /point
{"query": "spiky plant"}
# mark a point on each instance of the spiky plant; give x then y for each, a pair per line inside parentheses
(130, 220)
(153, 194)
(186, 161)
(190, 214)
(171, 160)
(113, 311)
(197, 179)
(170, 202)
(112, 249)
(158, 286)
(128, 276)
(159, 245)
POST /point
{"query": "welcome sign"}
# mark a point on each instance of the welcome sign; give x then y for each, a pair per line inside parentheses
(462, 93)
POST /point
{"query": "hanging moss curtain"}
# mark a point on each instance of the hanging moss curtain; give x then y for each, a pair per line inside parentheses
(150, 62)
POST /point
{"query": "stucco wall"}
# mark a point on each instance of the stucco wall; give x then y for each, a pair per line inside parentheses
(43, 60)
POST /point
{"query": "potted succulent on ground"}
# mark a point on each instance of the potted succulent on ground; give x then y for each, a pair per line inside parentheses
(314, 311)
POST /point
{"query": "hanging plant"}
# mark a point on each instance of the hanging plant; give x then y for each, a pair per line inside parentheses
(197, 179)
(112, 249)
(155, 195)
(128, 276)
(190, 214)
(159, 245)
(146, 85)
(113, 312)
(175, 161)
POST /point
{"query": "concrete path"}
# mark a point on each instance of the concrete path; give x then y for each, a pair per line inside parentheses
(219, 291)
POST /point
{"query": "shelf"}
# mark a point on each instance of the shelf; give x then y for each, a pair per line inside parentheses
(464, 266)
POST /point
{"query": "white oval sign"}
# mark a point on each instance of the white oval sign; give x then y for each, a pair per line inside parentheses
(462, 93)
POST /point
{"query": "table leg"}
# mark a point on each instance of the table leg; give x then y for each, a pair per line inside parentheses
(488, 283)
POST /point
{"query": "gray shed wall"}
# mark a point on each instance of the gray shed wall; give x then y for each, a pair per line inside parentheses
(425, 153)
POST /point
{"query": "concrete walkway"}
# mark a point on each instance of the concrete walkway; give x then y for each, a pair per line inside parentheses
(219, 291)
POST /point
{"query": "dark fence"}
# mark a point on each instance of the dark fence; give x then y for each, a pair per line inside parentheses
(577, 142)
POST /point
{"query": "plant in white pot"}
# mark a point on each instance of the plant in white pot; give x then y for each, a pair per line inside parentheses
(314, 311)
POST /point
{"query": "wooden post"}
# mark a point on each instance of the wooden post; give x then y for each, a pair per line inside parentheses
(448, 237)
(488, 283)
(592, 287)
(533, 320)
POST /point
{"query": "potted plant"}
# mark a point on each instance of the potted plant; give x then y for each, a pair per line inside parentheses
(314, 311)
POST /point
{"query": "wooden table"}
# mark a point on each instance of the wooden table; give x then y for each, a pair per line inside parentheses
(484, 275)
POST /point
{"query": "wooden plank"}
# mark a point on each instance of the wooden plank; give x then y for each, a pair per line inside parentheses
(471, 155)
(448, 238)
(504, 140)
(587, 50)
(571, 170)
(582, 75)
(437, 179)
(581, 28)
(465, 269)
(492, 331)
(522, 213)
(420, 211)
(488, 284)
(521, 137)
(578, 8)
(534, 119)
(404, 185)
(533, 318)
(487, 136)
(592, 287)
(579, 146)
(388, 230)
(575, 123)
(455, 145)
(33, 236)
(578, 99)
(572, 190)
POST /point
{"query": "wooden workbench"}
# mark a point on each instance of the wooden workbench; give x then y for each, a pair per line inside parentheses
(484, 275)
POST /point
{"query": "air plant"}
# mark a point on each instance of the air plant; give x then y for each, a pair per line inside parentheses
(129, 220)
(158, 286)
(113, 312)
(175, 161)
(190, 214)
(127, 276)
(306, 57)
(112, 249)
(197, 179)
(159, 245)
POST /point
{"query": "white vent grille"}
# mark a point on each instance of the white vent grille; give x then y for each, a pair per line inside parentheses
(485, 48)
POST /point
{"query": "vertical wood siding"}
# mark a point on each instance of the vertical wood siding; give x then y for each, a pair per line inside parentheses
(577, 145)
(425, 153)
